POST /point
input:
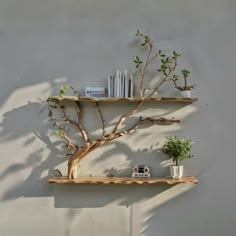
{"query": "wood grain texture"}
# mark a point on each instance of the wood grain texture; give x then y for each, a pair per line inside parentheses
(113, 99)
(121, 180)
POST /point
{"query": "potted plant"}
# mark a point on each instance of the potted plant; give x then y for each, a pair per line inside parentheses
(186, 88)
(178, 149)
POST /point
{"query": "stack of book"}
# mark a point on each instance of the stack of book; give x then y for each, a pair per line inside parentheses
(120, 85)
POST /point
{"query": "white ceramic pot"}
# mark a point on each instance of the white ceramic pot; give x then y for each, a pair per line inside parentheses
(149, 91)
(186, 94)
(176, 172)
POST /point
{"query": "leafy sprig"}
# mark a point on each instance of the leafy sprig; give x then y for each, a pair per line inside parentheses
(138, 62)
(63, 90)
(166, 63)
(185, 74)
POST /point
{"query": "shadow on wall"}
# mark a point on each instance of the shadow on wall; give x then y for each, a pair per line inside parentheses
(30, 121)
(43, 153)
(156, 206)
(24, 122)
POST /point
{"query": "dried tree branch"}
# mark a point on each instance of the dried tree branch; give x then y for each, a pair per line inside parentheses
(80, 154)
(145, 68)
(142, 121)
(167, 67)
(63, 135)
(155, 56)
(135, 109)
(83, 131)
(102, 118)
(75, 91)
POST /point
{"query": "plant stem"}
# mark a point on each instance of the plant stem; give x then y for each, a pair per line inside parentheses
(142, 72)
(176, 162)
(185, 83)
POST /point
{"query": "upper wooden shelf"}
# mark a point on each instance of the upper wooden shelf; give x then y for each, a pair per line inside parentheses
(114, 99)
(121, 180)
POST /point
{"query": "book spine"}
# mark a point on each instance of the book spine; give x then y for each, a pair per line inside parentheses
(117, 83)
(131, 86)
(109, 86)
(122, 85)
(126, 86)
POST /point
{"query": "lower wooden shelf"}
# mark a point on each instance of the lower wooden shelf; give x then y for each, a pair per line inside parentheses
(121, 180)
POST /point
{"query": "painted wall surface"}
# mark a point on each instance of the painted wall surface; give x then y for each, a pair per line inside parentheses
(44, 44)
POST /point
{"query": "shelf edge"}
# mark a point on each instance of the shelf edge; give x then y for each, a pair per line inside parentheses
(120, 180)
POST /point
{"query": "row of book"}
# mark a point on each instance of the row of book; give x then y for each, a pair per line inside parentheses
(120, 85)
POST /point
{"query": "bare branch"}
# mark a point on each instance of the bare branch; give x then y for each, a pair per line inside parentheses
(82, 129)
(102, 118)
(142, 121)
(78, 155)
(125, 116)
(75, 91)
(67, 118)
(155, 56)
(63, 135)
(145, 68)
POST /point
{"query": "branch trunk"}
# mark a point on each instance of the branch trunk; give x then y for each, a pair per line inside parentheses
(79, 154)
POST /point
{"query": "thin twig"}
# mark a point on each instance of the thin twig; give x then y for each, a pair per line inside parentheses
(77, 124)
(142, 121)
(102, 119)
(83, 131)
(75, 91)
(64, 135)
(144, 69)
(156, 55)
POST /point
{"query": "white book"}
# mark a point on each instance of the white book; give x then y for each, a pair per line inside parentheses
(122, 85)
(126, 87)
(118, 83)
(94, 92)
(116, 87)
(112, 85)
(126, 83)
(126, 73)
(109, 86)
(131, 86)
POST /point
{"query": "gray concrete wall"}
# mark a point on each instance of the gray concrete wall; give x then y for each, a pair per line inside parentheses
(44, 44)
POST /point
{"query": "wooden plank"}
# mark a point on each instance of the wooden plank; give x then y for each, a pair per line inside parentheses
(121, 180)
(113, 99)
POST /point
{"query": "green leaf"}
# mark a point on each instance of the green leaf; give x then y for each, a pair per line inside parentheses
(59, 133)
(63, 90)
(177, 148)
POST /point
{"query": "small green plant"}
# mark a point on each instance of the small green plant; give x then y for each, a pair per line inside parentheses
(63, 90)
(178, 149)
(185, 73)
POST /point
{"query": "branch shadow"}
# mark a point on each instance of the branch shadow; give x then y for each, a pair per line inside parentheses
(95, 196)
(168, 198)
(31, 124)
